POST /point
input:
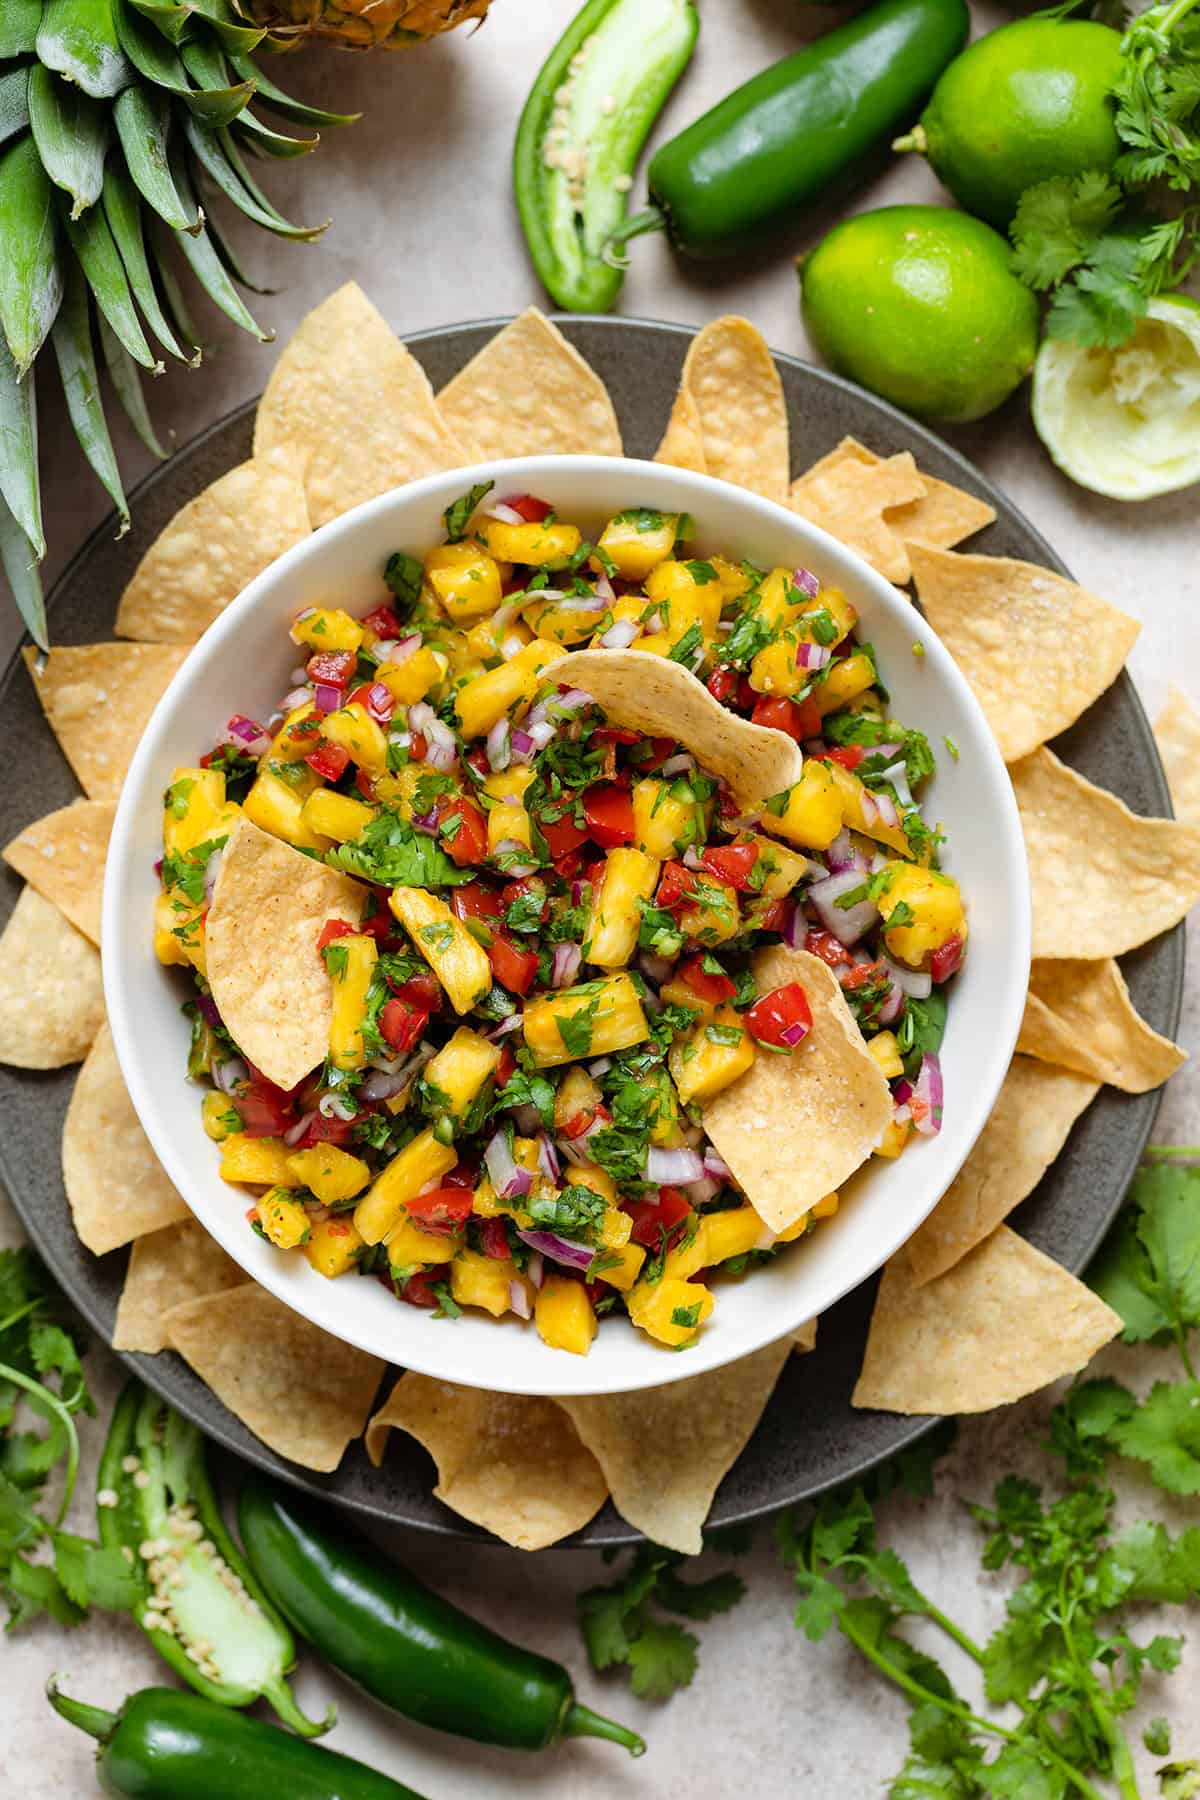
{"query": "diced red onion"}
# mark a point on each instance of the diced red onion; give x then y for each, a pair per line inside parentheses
(300, 696)
(512, 1023)
(515, 869)
(520, 745)
(682, 764)
(495, 1240)
(795, 927)
(518, 1300)
(548, 1161)
(925, 1101)
(889, 1012)
(426, 822)
(565, 967)
(211, 870)
(692, 858)
(599, 1065)
(605, 591)
(503, 617)
(579, 603)
(158, 865)
(673, 1168)
(559, 1249)
(715, 1165)
(795, 1033)
(246, 730)
(299, 675)
(842, 855)
(902, 1093)
(535, 1268)
(700, 1192)
(325, 697)
(619, 635)
(526, 744)
(655, 968)
(229, 1074)
(295, 1132)
(885, 807)
(917, 982)
(440, 755)
(571, 700)
(379, 1086)
(578, 891)
(847, 924)
(507, 515)
(381, 703)
(507, 1176)
(512, 646)
(812, 656)
(870, 808)
(499, 745)
(400, 740)
(207, 1008)
(902, 1116)
(332, 1106)
(807, 582)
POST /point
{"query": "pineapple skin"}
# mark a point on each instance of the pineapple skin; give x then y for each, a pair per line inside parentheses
(360, 24)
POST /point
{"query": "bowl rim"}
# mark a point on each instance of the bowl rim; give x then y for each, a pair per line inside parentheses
(210, 648)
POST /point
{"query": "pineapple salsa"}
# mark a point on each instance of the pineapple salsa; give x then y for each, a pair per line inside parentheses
(547, 973)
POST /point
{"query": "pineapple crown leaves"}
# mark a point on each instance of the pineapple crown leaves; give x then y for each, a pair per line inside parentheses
(120, 122)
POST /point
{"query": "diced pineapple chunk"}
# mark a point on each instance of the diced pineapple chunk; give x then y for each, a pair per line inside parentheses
(355, 731)
(711, 1057)
(507, 821)
(455, 1077)
(629, 876)
(690, 1254)
(636, 550)
(179, 929)
(733, 1233)
(850, 676)
(296, 739)
(593, 1019)
(333, 1175)
(934, 912)
(460, 964)
(670, 1310)
(477, 1280)
(813, 810)
(886, 1051)
(577, 1093)
(564, 621)
(465, 579)
(666, 817)
(275, 807)
(678, 993)
(621, 1267)
(712, 915)
(856, 814)
(334, 1246)
(775, 670)
(895, 1137)
(825, 1207)
(422, 1160)
(616, 1225)
(327, 628)
(283, 1218)
(781, 868)
(336, 816)
(664, 1127)
(255, 1160)
(407, 1242)
(829, 608)
(218, 1116)
(411, 680)
(535, 546)
(685, 595)
(564, 1316)
(195, 810)
(351, 961)
(506, 690)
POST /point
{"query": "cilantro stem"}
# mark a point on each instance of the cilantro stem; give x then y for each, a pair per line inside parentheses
(1174, 14)
(1122, 1761)
(960, 1637)
(22, 1312)
(1183, 1150)
(43, 1400)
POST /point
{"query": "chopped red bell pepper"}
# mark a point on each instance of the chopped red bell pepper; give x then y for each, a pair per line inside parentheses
(513, 965)
(327, 1131)
(613, 734)
(465, 844)
(676, 885)
(334, 667)
(526, 889)
(826, 946)
(264, 1109)
(418, 1289)
(947, 957)
(365, 784)
(332, 929)
(441, 1209)
(781, 1018)
(774, 915)
(562, 835)
(494, 1239)
(402, 1024)
(722, 683)
(731, 863)
(505, 1068)
(609, 813)
(329, 761)
(531, 509)
(584, 1119)
(423, 991)
(385, 623)
(849, 755)
(670, 1213)
(704, 984)
(475, 901)
(799, 718)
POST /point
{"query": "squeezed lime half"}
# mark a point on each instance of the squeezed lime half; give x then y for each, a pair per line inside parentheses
(1126, 422)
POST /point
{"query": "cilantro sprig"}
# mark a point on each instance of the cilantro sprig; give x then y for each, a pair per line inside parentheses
(621, 1627)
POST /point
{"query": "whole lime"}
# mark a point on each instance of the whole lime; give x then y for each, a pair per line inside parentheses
(918, 304)
(1026, 102)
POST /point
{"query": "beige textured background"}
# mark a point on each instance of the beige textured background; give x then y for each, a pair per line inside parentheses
(423, 219)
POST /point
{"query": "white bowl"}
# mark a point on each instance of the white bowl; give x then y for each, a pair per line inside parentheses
(242, 665)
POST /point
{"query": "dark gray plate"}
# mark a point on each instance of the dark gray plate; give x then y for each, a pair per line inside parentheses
(809, 1437)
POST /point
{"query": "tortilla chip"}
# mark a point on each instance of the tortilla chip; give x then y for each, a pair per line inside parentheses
(62, 856)
(1004, 1323)
(51, 994)
(806, 1337)
(116, 1186)
(1037, 649)
(512, 1463)
(98, 699)
(665, 1451)
(214, 547)
(682, 443)
(1177, 735)
(1079, 1014)
(738, 396)
(304, 1393)
(849, 501)
(266, 974)
(943, 516)
(180, 1262)
(1027, 1127)
(827, 1094)
(643, 692)
(356, 404)
(1104, 879)
(528, 392)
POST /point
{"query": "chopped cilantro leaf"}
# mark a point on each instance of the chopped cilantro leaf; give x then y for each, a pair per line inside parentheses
(403, 575)
(390, 853)
(458, 514)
